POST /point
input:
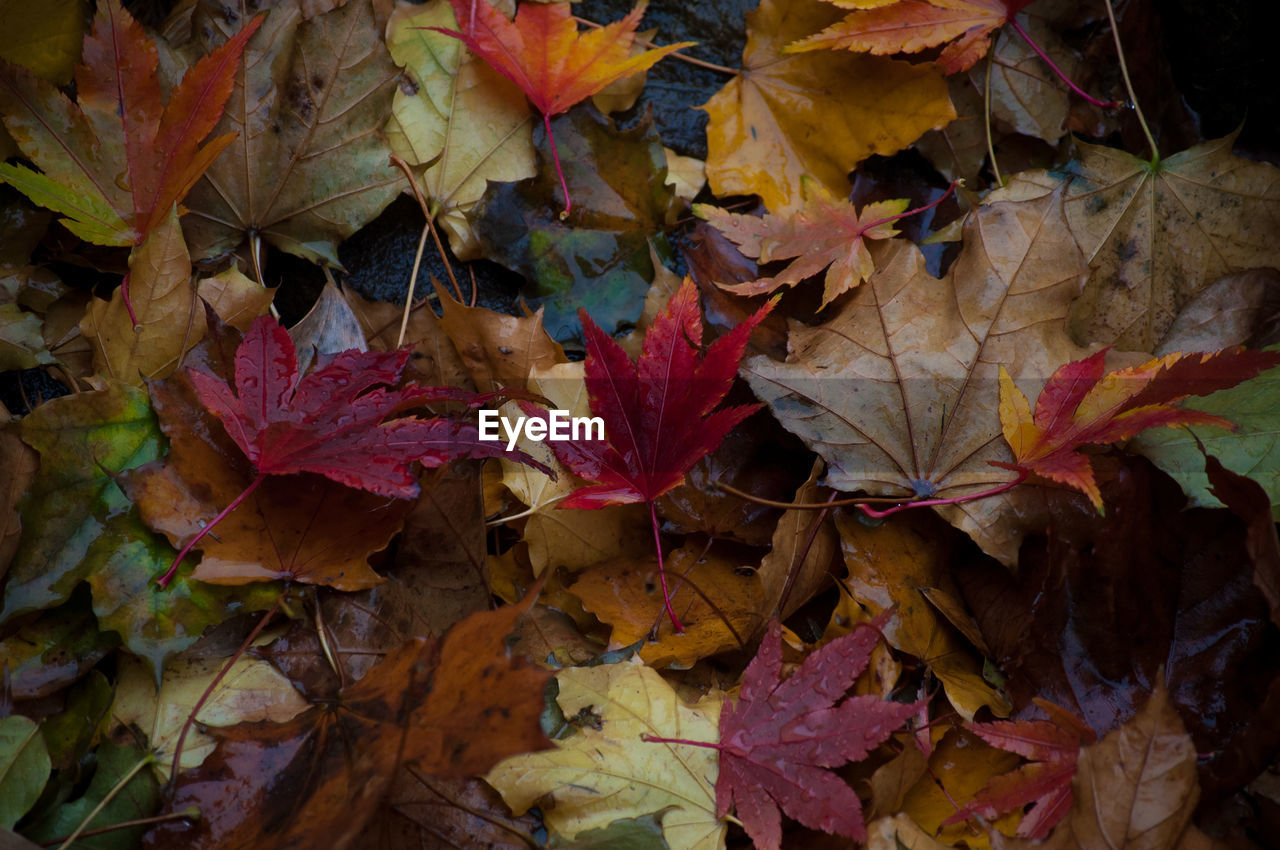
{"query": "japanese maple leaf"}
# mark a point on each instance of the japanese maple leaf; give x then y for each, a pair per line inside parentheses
(825, 233)
(1081, 405)
(1051, 747)
(657, 411)
(330, 421)
(117, 160)
(778, 741)
(910, 26)
(542, 52)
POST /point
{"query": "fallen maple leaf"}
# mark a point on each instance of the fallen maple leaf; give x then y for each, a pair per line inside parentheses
(543, 53)
(330, 421)
(1079, 406)
(116, 161)
(825, 232)
(782, 118)
(778, 740)
(657, 412)
(1052, 747)
(910, 26)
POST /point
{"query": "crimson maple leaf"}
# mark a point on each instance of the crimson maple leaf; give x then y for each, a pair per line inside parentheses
(778, 741)
(657, 411)
(1052, 747)
(543, 53)
(331, 421)
(1081, 405)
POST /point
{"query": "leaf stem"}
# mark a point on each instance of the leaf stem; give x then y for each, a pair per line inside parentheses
(189, 813)
(986, 113)
(924, 208)
(1128, 84)
(128, 303)
(994, 491)
(1062, 75)
(164, 580)
(662, 572)
(208, 692)
(806, 506)
(431, 226)
(645, 43)
(555, 157)
(102, 804)
(654, 739)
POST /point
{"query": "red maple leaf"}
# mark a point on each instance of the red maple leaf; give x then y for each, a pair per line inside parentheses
(543, 53)
(657, 412)
(1051, 746)
(331, 421)
(1082, 405)
(780, 739)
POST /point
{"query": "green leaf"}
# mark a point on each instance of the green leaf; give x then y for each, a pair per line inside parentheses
(84, 440)
(642, 833)
(155, 623)
(139, 797)
(88, 215)
(71, 733)
(597, 258)
(24, 767)
(1252, 450)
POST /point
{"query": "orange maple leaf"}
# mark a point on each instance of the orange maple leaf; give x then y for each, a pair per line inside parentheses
(543, 53)
(1080, 405)
(826, 232)
(910, 26)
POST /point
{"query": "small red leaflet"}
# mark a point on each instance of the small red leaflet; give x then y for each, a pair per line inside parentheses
(778, 741)
(330, 422)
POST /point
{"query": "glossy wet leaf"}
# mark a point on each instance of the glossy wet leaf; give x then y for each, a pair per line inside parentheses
(898, 391)
(961, 764)
(84, 441)
(779, 739)
(24, 767)
(1161, 232)
(308, 167)
(597, 258)
(55, 649)
(781, 118)
(79, 726)
(463, 126)
(498, 350)
(1140, 571)
(606, 766)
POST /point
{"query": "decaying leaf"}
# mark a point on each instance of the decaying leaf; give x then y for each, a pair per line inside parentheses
(898, 391)
(1154, 234)
(307, 168)
(606, 765)
(781, 119)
